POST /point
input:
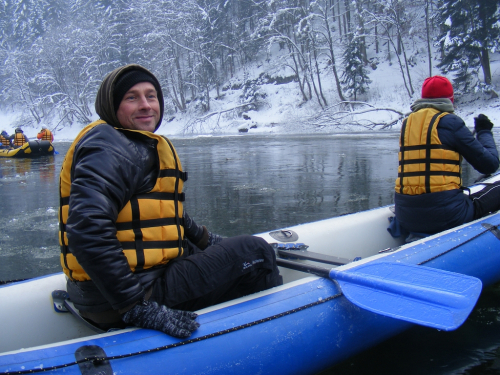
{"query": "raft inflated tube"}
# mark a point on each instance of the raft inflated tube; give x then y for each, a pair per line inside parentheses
(30, 149)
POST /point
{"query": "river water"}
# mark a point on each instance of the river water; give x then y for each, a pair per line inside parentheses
(248, 184)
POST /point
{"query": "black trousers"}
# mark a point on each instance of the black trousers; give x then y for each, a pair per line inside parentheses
(487, 200)
(235, 267)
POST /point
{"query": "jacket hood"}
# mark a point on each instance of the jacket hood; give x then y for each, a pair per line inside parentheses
(104, 105)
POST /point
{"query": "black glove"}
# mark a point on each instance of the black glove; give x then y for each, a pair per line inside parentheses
(175, 323)
(482, 122)
(199, 234)
(213, 239)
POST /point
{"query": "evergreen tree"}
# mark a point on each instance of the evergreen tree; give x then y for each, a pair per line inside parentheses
(355, 78)
(470, 30)
(22, 21)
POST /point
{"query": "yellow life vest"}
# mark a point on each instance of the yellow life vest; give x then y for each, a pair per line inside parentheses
(425, 164)
(150, 226)
(45, 135)
(19, 139)
(5, 141)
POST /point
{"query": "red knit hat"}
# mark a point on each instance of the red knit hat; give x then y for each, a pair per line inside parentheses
(437, 87)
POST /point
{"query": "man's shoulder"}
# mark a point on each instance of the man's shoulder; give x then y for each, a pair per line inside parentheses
(100, 136)
(451, 121)
(110, 140)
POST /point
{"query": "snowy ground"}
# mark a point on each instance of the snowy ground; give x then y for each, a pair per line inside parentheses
(284, 110)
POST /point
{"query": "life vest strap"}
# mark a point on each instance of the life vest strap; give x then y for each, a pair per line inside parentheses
(173, 173)
(136, 227)
(433, 161)
(425, 147)
(149, 223)
(162, 196)
(130, 245)
(429, 173)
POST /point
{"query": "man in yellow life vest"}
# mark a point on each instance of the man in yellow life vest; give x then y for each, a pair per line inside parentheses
(5, 140)
(45, 134)
(18, 138)
(429, 196)
(131, 253)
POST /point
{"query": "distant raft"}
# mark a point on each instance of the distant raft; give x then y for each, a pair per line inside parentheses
(31, 149)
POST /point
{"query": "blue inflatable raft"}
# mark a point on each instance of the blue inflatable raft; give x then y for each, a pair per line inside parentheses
(348, 285)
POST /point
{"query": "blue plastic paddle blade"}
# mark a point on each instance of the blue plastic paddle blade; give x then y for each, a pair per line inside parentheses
(417, 294)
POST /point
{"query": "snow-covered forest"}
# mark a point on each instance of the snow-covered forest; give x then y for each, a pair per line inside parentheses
(217, 59)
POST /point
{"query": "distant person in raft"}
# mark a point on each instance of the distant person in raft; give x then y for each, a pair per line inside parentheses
(5, 140)
(132, 255)
(45, 134)
(18, 138)
(429, 195)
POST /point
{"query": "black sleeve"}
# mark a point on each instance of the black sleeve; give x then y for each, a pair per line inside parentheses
(107, 170)
(481, 153)
(192, 231)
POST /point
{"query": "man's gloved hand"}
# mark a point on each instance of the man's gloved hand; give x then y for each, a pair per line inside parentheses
(175, 323)
(199, 234)
(213, 238)
(482, 122)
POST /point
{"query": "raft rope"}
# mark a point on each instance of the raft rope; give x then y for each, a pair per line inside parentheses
(489, 229)
(96, 360)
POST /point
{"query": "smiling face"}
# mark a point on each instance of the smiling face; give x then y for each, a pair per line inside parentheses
(139, 108)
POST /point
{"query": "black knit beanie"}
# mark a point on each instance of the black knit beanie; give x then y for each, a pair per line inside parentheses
(127, 81)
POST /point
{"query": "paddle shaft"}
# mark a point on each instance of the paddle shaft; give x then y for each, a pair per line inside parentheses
(316, 257)
(297, 266)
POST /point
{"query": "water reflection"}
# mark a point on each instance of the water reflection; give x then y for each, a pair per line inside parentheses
(28, 240)
(265, 182)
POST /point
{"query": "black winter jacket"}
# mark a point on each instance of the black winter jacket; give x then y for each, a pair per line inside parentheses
(435, 212)
(109, 167)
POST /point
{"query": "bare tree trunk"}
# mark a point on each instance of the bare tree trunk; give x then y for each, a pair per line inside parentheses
(388, 47)
(311, 74)
(427, 29)
(348, 15)
(319, 76)
(398, 23)
(332, 57)
(181, 84)
(485, 64)
(340, 19)
(304, 96)
(207, 90)
(408, 71)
